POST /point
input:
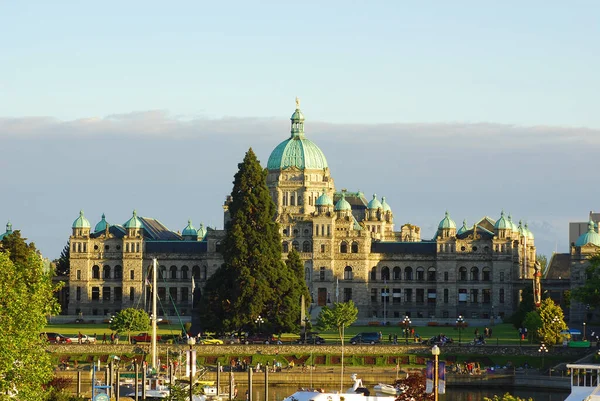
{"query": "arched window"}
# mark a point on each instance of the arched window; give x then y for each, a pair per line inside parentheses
(106, 272)
(397, 273)
(306, 247)
(431, 276)
(487, 274)
(285, 246)
(184, 272)
(96, 272)
(354, 247)
(374, 273)
(162, 272)
(462, 273)
(196, 272)
(173, 272)
(296, 246)
(204, 273)
(218, 246)
(420, 274)
(474, 273)
(118, 272)
(308, 273)
(344, 247)
(385, 273)
(348, 273)
(408, 273)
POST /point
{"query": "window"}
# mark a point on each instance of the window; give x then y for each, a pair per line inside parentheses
(106, 272)
(322, 248)
(306, 246)
(431, 274)
(184, 272)
(501, 276)
(487, 296)
(344, 247)
(185, 294)
(420, 295)
(162, 272)
(385, 273)
(408, 273)
(173, 272)
(95, 293)
(474, 295)
(78, 297)
(355, 247)
(374, 295)
(420, 274)
(347, 273)
(373, 273)
(501, 295)
(396, 296)
(162, 293)
(462, 295)
(474, 273)
(446, 295)
(397, 273)
(408, 295)
(131, 294)
(296, 245)
(106, 247)
(218, 246)
(385, 295)
(285, 247)
(431, 296)
(487, 276)
(173, 293)
(306, 232)
(118, 272)
(322, 274)
(347, 294)
(308, 272)
(462, 274)
(106, 293)
(78, 274)
(446, 276)
(132, 274)
(118, 294)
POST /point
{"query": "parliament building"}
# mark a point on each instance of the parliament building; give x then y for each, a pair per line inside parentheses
(350, 244)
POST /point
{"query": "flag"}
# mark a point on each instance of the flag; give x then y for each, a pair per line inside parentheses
(429, 377)
(442, 377)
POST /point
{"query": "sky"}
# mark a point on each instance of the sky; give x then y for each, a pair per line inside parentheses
(467, 106)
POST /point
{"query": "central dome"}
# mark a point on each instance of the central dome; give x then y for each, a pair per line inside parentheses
(297, 151)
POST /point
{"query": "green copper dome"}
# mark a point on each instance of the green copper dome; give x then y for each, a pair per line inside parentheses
(324, 200)
(515, 228)
(134, 222)
(463, 229)
(81, 221)
(297, 151)
(503, 223)
(591, 237)
(8, 230)
(447, 222)
(102, 224)
(189, 229)
(201, 232)
(342, 204)
(385, 206)
(374, 204)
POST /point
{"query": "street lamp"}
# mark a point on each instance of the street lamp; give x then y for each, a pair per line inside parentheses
(543, 350)
(259, 320)
(435, 351)
(406, 323)
(460, 324)
(584, 338)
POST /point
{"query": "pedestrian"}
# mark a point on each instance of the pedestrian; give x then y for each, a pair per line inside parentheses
(112, 337)
(490, 333)
(396, 338)
(390, 337)
(104, 338)
(79, 337)
(476, 332)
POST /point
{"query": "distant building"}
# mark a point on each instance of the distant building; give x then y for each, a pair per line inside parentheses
(349, 245)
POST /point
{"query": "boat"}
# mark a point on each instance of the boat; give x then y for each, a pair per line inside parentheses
(585, 382)
(382, 388)
(356, 393)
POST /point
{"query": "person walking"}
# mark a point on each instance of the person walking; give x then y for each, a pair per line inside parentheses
(79, 337)
(104, 338)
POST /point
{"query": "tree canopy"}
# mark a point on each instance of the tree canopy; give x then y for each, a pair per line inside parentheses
(26, 298)
(63, 263)
(340, 316)
(253, 279)
(130, 319)
(525, 306)
(589, 292)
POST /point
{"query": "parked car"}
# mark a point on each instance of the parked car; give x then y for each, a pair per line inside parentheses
(365, 338)
(85, 339)
(144, 338)
(311, 338)
(209, 340)
(260, 339)
(55, 338)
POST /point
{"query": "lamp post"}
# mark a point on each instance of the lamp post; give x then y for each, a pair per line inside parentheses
(584, 338)
(406, 323)
(543, 350)
(435, 351)
(259, 320)
(306, 320)
(460, 324)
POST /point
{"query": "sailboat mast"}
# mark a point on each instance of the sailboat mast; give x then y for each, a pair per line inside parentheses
(154, 316)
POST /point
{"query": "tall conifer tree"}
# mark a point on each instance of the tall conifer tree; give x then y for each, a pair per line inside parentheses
(253, 281)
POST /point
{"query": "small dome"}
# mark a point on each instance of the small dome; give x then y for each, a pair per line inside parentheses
(81, 221)
(515, 228)
(503, 223)
(134, 222)
(591, 237)
(374, 204)
(528, 231)
(385, 206)
(463, 229)
(447, 222)
(102, 224)
(189, 229)
(201, 231)
(324, 200)
(8, 230)
(342, 204)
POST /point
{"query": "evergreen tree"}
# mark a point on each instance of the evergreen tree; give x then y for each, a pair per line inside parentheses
(63, 263)
(589, 292)
(525, 306)
(253, 279)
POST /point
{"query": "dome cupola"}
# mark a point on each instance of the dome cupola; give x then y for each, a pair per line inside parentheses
(447, 222)
(8, 230)
(528, 232)
(102, 225)
(201, 232)
(134, 222)
(81, 221)
(503, 223)
(374, 204)
(463, 229)
(590, 237)
(385, 206)
(324, 200)
(189, 230)
(515, 228)
(342, 204)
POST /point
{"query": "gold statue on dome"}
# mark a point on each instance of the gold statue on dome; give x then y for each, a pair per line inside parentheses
(297, 102)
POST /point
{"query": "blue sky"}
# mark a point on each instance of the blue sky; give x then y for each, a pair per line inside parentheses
(500, 84)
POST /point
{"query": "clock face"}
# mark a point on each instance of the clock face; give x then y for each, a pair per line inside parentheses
(101, 397)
